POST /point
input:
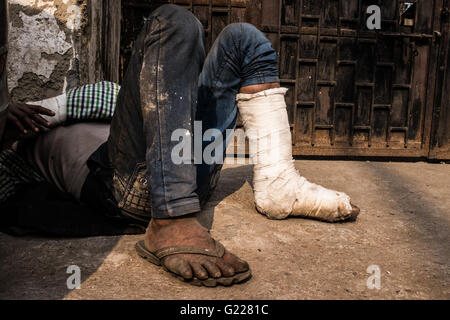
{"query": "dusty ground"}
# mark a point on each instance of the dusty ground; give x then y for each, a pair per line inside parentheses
(403, 228)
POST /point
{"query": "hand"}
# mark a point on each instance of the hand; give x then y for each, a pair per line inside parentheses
(25, 116)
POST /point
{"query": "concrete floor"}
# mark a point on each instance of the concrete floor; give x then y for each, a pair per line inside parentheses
(403, 228)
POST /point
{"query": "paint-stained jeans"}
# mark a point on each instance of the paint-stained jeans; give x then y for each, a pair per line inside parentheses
(168, 85)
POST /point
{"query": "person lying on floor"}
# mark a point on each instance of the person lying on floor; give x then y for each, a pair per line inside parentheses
(125, 167)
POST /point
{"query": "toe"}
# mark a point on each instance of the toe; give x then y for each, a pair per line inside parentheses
(226, 269)
(237, 264)
(199, 271)
(179, 266)
(213, 270)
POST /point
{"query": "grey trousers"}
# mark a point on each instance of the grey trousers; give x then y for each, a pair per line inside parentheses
(60, 155)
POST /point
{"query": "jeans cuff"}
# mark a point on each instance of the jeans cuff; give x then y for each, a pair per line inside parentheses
(177, 210)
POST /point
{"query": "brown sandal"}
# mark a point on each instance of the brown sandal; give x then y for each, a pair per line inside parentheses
(157, 257)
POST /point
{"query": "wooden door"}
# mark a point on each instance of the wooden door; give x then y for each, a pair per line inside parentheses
(352, 91)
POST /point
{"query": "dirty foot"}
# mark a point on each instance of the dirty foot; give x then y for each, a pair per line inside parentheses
(187, 250)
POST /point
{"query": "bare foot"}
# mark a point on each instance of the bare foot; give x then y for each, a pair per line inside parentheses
(163, 233)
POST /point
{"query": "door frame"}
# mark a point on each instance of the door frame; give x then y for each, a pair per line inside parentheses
(441, 108)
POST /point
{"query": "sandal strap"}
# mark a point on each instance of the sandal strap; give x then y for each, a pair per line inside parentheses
(218, 252)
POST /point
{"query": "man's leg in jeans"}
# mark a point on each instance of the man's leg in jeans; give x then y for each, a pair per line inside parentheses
(158, 96)
(241, 60)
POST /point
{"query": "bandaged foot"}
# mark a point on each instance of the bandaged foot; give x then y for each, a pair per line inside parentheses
(280, 191)
(56, 104)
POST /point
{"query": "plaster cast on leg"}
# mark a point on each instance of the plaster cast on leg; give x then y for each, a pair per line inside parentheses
(280, 190)
(56, 104)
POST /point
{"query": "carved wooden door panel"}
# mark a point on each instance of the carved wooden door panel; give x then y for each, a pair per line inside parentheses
(355, 91)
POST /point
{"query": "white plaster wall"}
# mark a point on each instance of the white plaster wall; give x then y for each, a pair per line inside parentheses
(41, 33)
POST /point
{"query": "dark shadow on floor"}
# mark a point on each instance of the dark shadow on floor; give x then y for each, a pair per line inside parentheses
(36, 267)
(231, 180)
(56, 230)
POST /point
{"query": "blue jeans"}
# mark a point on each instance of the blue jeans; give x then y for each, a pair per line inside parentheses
(169, 84)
